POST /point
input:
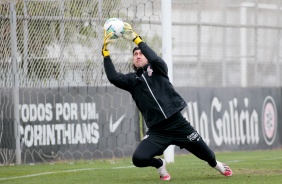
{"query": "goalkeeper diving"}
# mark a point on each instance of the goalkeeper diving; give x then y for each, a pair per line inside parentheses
(160, 106)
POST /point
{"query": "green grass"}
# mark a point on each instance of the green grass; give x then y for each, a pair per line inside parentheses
(248, 167)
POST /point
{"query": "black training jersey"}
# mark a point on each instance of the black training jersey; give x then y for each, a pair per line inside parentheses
(149, 86)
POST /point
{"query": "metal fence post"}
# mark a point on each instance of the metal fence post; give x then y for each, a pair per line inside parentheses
(13, 25)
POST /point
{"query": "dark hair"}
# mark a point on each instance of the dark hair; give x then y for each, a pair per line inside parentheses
(135, 48)
(133, 66)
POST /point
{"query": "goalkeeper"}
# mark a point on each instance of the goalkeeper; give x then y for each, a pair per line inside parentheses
(160, 106)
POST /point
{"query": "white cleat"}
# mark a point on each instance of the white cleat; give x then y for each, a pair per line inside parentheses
(164, 175)
(223, 169)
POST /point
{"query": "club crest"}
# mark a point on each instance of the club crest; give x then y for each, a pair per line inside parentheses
(150, 71)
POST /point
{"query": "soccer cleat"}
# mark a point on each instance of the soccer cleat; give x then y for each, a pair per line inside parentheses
(223, 169)
(164, 175)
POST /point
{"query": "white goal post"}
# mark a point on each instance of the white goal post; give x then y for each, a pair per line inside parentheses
(167, 56)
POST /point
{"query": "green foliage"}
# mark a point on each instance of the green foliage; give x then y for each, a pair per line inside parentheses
(61, 22)
(42, 69)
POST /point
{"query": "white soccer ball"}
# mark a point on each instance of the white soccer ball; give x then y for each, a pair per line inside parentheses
(116, 26)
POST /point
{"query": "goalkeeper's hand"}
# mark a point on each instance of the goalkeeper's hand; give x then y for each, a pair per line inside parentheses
(107, 40)
(130, 34)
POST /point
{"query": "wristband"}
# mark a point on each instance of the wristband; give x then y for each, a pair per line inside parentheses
(105, 52)
(137, 40)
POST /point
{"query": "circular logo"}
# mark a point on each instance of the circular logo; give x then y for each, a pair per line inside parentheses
(269, 120)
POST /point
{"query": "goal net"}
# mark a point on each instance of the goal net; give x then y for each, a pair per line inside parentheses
(67, 108)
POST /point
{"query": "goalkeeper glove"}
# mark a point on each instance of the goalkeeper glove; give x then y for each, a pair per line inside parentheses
(130, 34)
(107, 40)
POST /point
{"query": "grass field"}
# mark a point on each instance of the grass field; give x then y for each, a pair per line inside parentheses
(248, 167)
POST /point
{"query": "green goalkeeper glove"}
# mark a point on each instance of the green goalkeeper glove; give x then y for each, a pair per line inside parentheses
(107, 40)
(130, 34)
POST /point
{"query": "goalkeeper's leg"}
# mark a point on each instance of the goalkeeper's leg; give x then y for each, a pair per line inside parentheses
(145, 153)
(202, 151)
(144, 157)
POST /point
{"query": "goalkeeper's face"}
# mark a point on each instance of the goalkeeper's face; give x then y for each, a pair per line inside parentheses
(139, 60)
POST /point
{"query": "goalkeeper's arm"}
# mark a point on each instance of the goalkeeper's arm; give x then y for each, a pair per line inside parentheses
(118, 79)
(149, 53)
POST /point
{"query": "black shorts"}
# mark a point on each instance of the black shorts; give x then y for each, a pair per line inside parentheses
(175, 130)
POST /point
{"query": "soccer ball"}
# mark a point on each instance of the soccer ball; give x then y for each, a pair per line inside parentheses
(116, 26)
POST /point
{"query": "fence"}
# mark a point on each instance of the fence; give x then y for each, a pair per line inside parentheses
(48, 44)
(215, 43)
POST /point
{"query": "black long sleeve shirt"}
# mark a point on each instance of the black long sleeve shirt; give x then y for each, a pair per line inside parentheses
(149, 86)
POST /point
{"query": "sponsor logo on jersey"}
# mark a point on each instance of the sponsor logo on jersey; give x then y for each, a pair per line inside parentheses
(194, 136)
(150, 71)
